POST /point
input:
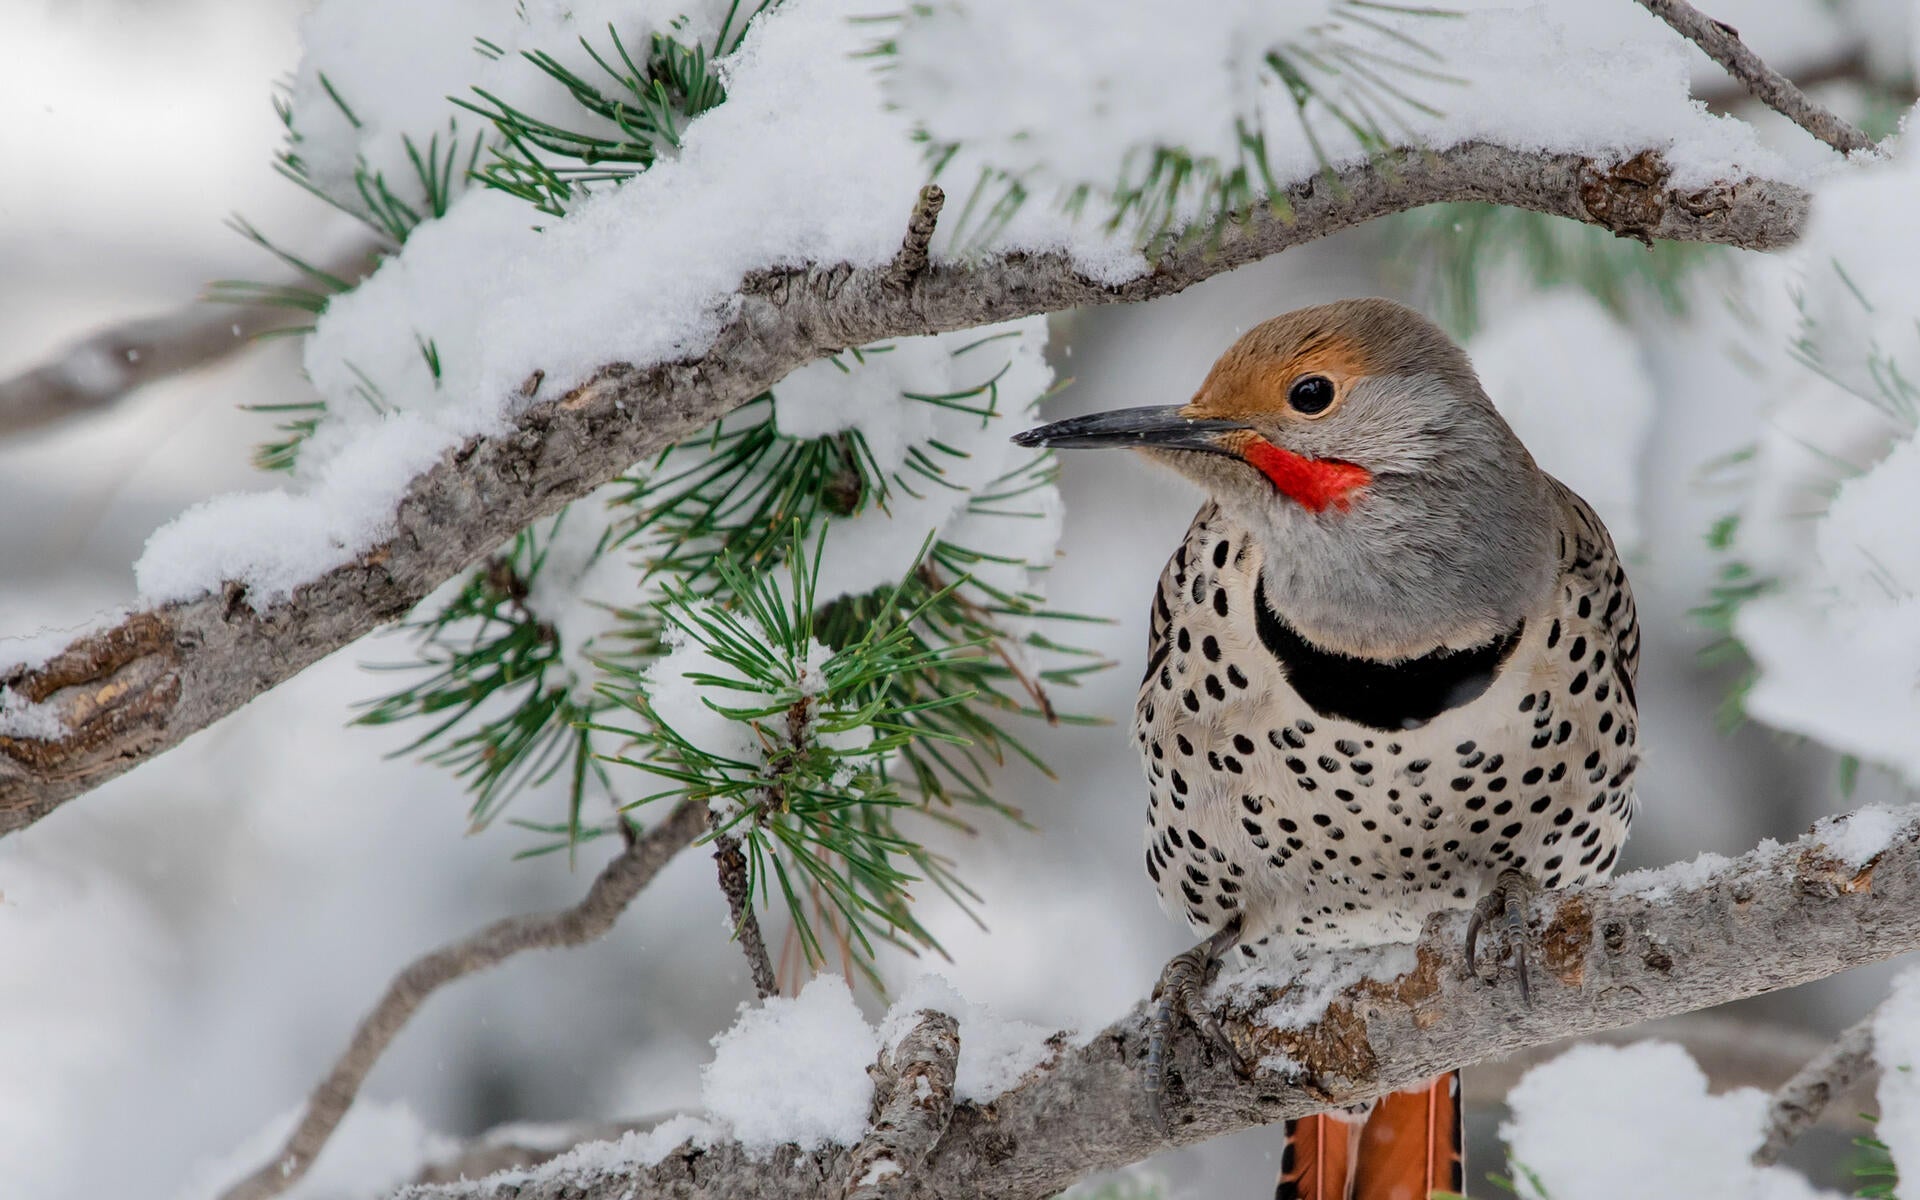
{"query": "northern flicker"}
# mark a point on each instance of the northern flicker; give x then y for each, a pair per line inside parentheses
(1390, 670)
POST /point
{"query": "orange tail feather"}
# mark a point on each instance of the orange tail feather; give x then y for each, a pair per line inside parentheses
(1406, 1148)
(1318, 1163)
(1411, 1146)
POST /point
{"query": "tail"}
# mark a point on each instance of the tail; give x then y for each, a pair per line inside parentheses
(1406, 1148)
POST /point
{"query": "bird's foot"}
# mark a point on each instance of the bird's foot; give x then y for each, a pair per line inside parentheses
(1505, 906)
(1177, 995)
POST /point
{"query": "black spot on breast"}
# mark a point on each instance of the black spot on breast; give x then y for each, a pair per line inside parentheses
(1532, 776)
(1243, 743)
(1578, 650)
(1220, 601)
(1221, 549)
(1210, 646)
(1578, 685)
(1184, 640)
(1541, 805)
(1214, 689)
(1191, 701)
(1328, 762)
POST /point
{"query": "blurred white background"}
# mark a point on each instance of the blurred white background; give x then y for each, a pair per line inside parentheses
(183, 952)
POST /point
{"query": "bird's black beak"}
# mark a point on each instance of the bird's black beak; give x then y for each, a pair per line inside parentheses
(1160, 428)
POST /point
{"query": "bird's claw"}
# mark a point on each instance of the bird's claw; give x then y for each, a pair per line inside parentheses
(1506, 903)
(1178, 995)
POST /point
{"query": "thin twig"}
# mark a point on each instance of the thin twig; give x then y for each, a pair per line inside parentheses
(912, 258)
(746, 926)
(1722, 43)
(94, 373)
(913, 1102)
(1827, 1076)
(612, 890)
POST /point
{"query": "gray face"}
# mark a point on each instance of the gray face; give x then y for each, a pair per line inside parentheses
(1446, 545)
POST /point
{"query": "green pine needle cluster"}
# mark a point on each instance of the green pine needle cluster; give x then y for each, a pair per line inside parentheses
(809, 791)
(1167, 197)
(1874, 1168)
(1446, 253)
(629, 119)
(627, 122)
(501, 708)
(865, 711)
(707, 528)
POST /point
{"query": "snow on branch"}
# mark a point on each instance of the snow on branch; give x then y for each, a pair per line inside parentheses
(129, 690)
(1344, 1028)
(612, 891)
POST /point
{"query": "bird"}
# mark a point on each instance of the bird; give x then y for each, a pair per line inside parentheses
(1390, 671)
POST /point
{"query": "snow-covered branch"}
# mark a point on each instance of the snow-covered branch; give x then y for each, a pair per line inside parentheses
(1351, 1025)
(128, 691)
(612, 891)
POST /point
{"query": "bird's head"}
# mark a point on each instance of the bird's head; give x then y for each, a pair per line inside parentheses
(1356, 441)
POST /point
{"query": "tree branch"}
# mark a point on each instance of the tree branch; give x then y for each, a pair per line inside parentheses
(746, 926)
(130, 691)
(612, 890)
(913, 1102)
(94, 373)
(1827, 1076)
(1609, 957)
(1722, 44)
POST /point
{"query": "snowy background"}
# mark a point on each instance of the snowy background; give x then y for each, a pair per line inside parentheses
(182, 953)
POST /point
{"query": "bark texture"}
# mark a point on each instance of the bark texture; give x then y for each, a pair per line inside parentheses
(1721, 42)
(913, 1103)
(1608, 957)
(136, 688)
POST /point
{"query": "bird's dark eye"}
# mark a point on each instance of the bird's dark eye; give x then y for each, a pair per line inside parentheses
(1310, 395)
